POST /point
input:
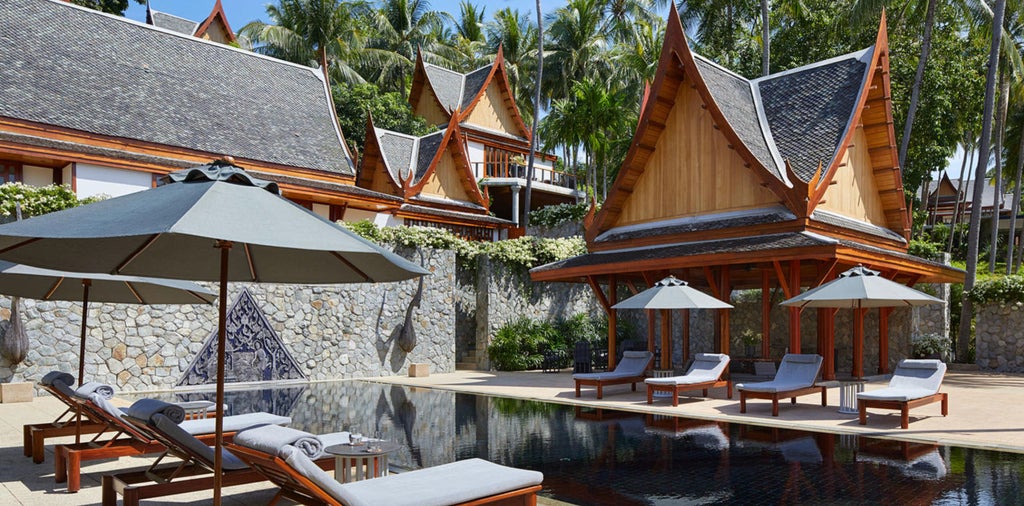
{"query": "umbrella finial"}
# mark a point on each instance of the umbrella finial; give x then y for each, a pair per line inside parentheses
(221, 169)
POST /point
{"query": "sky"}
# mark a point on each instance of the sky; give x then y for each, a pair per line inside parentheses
(240, 12)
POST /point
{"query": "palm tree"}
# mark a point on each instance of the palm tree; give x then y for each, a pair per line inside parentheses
(471, 22)
(1000, 128)
(401, 28)
(973, 235)
(578, 41)
(636, 62)
(622, 15)
(536, 114)
(517, 37)
(324, 33)
(721, 26)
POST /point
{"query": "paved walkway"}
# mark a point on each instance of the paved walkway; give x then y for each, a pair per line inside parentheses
(985, 412)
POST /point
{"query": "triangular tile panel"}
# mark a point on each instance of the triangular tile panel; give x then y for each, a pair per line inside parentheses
(254, 350)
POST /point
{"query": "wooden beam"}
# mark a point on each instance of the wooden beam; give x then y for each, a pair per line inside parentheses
(827, 273)
(794, 312)
(883, 339)
(786, 290)
(709, 274)
(666, 340)
(600, 294)
(685, 313)
(723, 314)
(766, 309)
(612, 319)
(858, 343)
(631, 286)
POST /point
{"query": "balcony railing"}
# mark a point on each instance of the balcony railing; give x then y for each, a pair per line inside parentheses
(515, 170)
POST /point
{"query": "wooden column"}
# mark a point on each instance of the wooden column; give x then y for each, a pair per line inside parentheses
(826, 342)
(723, 314)
(666, 339)
(686, 335)
(766, 314)
(794, 312)
(883, 339)
(613, 287)
(651, 324)
(858, 342)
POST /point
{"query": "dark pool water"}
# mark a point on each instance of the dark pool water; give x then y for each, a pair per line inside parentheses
(591, 456)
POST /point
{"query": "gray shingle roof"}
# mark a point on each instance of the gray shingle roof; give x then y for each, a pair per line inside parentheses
(87, 71)
(398, 150)
(447, 85)
(172, 22)
(428, 146)
(473, 83)
(697, 225)
(852, 224)
(734, 97)
(480, 218)
(808, 110)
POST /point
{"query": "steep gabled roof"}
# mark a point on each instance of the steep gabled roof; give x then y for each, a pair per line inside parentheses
(115, 78)
(171, 22)
(408, 162)
(459, 93)
(216, 16)
(791, 129)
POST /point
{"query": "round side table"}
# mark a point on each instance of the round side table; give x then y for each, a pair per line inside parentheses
(354, 463)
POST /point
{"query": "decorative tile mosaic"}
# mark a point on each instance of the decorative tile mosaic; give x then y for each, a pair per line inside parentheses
(279, 401)
(254, 352)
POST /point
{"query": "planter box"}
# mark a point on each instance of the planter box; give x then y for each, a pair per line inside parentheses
(419, 370)
(16, 392)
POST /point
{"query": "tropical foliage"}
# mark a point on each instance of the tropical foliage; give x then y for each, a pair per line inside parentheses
(521, 344)
(37, 200)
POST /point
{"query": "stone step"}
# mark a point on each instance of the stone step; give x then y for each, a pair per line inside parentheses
(466, 366)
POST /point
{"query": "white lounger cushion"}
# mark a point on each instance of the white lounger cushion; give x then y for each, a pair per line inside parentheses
(234, 423)
(633, 363)
(706, 367)
(912, 379)
(795, 372)
(273, 438)
(453, 483)
(185, 440)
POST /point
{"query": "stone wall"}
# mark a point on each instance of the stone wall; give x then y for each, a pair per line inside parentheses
(331, 331)
(999, 344)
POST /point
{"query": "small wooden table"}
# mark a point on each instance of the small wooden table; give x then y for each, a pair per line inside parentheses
(354, 463)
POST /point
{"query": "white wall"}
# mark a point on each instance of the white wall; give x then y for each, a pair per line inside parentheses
(36, 176)
(475, 151)
(380, 219)
(96, 180)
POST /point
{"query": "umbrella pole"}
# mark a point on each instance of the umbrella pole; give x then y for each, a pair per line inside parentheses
(81, 356)
(218, 458)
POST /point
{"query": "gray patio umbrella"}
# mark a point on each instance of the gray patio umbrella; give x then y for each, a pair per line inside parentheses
(46, 284)
(671, 293)
(860, 288)
(212, 223)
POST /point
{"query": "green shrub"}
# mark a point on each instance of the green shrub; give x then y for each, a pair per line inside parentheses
(998, 290)
(520, 344)
(38, 200)
(926, 345)
(552, 216)
(926, 249)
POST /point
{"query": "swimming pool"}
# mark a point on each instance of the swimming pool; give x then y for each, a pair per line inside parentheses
(592, 456)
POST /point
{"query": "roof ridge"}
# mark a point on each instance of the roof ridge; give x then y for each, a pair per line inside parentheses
(167, 31)
(717, 65)
(173, 16)
(857, 55)
(766, 131)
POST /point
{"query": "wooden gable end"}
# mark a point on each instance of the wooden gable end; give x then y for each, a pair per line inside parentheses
(868, 154)
(373, 173)
(423, 98)
(215, 27)
(693, 170)
(450, 174)
(495, 107)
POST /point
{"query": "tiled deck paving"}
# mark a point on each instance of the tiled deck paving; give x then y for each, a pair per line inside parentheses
(984, 413)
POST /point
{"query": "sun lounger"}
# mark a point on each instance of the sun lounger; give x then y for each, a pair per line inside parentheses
(466, 482)
(129, 440)
(60, 386)
(705, 372)
(195, 471)
(914, 383)
(630, 370)
(796, 377)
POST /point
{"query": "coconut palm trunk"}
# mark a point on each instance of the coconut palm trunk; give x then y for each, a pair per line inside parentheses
(963, 337)
(765, 39)
(536, 117)
(997, 197)
(955, 222)
(915, 90)
(1010, 268)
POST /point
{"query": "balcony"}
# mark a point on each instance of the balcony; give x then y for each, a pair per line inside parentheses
(508, 169)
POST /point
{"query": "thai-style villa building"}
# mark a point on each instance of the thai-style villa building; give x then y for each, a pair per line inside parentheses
(947, 197)
(107, 105)
(775, 183)
(496, 139)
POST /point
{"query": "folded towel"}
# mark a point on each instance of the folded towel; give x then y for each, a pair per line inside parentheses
(55, 376)
(273, 438)
(94, 387)
(144, 409)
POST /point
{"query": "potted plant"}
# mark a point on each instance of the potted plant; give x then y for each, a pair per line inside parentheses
(931, 345)
(750, 340)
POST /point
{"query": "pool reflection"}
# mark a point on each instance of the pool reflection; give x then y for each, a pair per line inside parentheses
(601, 456)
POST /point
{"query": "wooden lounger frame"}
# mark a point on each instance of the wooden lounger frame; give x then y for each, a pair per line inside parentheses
(786, 394)
(300, 489)
(36, 434)
(601, 383)
(676, 389)
(903, 406)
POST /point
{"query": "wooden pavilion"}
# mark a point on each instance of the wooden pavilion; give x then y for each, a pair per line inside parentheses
(732, 184)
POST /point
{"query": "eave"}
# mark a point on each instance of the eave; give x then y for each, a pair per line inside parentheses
(498, 69)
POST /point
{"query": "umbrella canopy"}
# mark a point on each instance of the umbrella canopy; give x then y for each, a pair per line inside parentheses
(672, 293)
(859, 288)
(212, 223)
(46, 284)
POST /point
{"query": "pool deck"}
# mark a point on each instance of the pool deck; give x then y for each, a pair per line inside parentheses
(982, 414)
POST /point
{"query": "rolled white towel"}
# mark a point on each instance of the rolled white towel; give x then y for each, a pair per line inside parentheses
(94, 387)
(144, 409)
(272, 439)
(55, 376)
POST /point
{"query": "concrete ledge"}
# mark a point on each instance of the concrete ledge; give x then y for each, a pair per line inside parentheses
(419, 370)
(16, 392)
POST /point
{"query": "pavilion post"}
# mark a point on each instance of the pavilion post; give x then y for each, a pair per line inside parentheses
(794, 312)
(613, 287)
(723, 314)
(651, 324)
(858, 342)
(666, 339)
(686, 335)
(883, 340)
(826, 342)
(766, 314)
